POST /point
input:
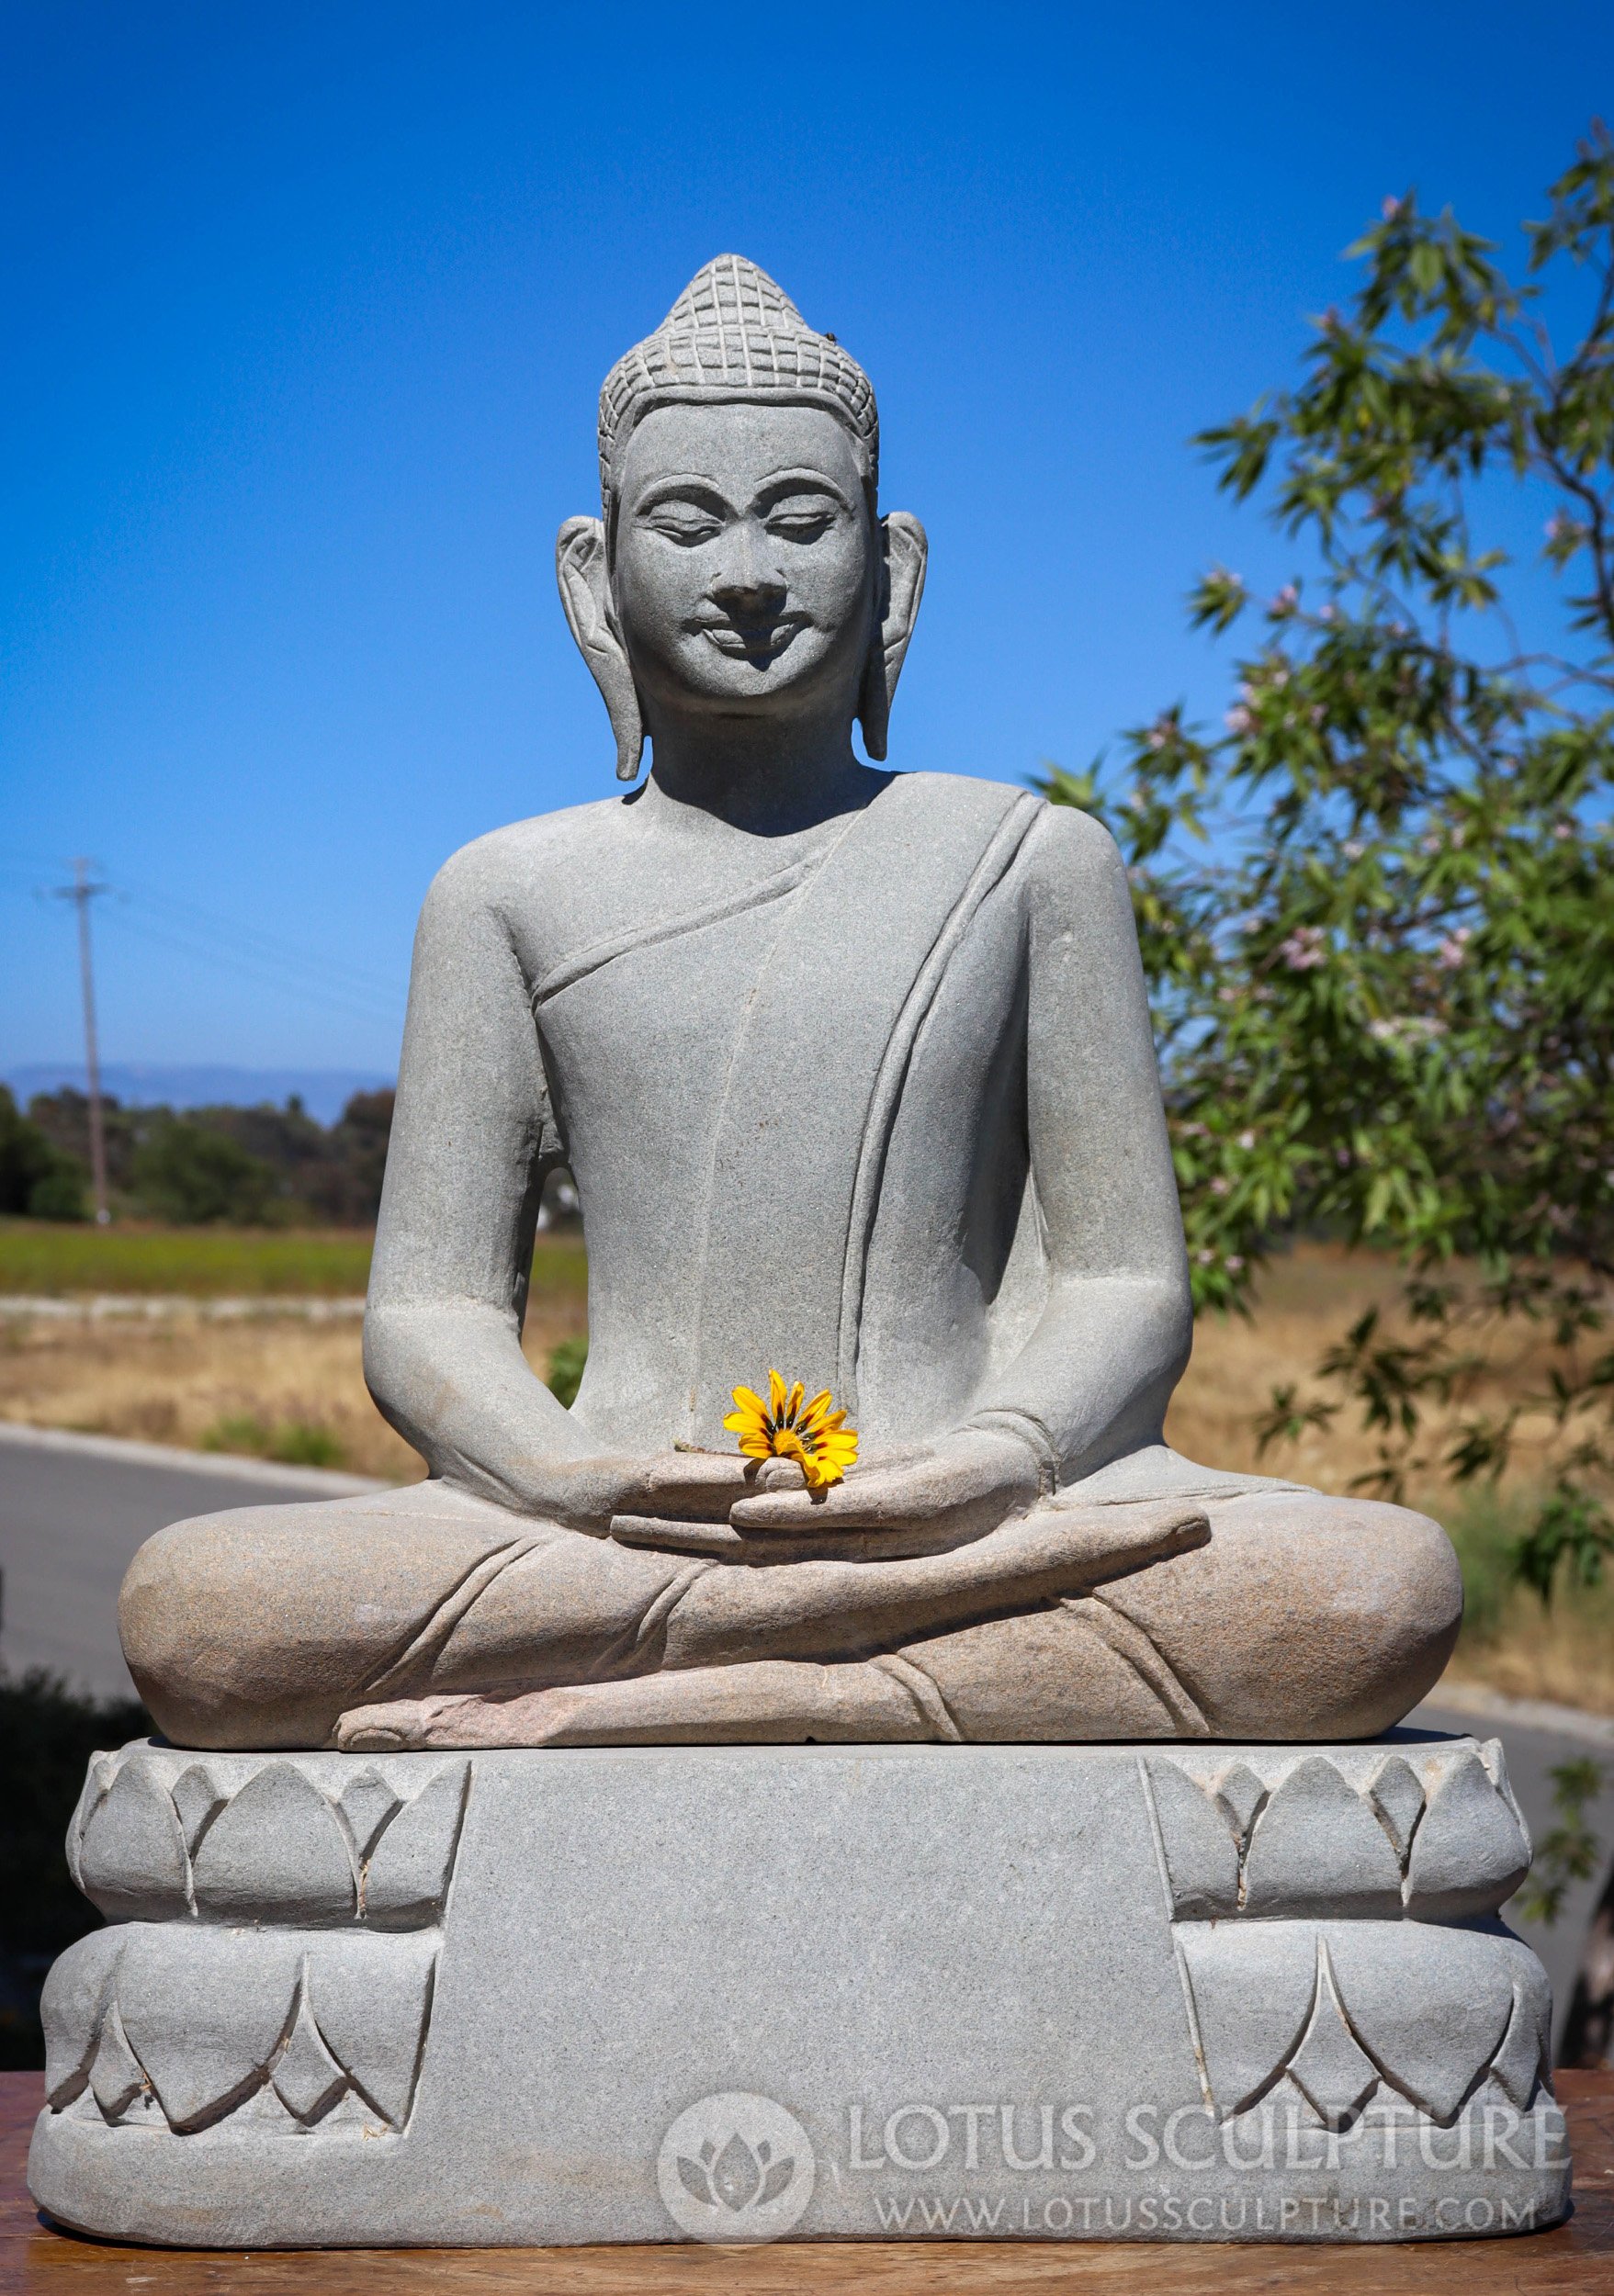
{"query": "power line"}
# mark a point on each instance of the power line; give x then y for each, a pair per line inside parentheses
(220, 953)
(81, 893)
(252, 940)
(193, 931)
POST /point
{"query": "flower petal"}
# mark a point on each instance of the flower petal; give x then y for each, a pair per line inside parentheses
(812, 1432)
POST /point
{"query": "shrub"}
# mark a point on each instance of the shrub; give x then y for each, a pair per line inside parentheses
(36, 1177)
(192, 1175)
(565, 1369)
(294, 1443)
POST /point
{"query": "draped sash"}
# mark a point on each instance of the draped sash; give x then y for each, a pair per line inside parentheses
(816, 1077)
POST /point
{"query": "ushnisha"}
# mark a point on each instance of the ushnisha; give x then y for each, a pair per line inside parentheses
(853, 1073)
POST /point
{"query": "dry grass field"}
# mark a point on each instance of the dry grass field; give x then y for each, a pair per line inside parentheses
(291, 1388)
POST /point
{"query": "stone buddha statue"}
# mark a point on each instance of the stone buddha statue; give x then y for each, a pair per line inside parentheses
(853, 1073)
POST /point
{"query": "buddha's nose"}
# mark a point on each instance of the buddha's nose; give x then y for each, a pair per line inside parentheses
(747, 580)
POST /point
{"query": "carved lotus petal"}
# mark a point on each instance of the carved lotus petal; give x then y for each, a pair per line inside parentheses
(72, 2008)
(1241, 1795)
(366, 1802)
(1520, 2063)
(1317, 1848)
(1397, 1801)
(1200, 1857)
(1430, 2005)
(406, 1880)
(369, 1997)
(275, 1854)
(307, 2078)
(1253, 1984)
(1470, 1853)
(131, 1857)
(197, 1799)
(205, 2011)
(117, 2075)
(97, 1784)
(1329, 2067)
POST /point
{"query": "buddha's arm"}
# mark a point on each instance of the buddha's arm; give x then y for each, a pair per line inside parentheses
(1097, 1373)
(472, 1146)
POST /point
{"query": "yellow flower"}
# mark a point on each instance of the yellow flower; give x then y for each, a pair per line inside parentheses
(784, 1427)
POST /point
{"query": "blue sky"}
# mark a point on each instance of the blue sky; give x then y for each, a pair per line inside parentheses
(307, 309)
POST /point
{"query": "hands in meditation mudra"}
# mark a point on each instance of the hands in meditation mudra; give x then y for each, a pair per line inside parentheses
(854, 1076)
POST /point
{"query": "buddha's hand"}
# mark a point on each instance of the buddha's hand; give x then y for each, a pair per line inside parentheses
(686, 1486)
(967, 1482)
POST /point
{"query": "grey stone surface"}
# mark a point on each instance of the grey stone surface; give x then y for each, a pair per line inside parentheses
(1160, 1991)
(854, 1073)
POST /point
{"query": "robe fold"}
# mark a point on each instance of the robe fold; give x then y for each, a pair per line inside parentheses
(783, 1025)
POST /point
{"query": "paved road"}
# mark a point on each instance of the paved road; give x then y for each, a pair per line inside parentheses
(74, 1509)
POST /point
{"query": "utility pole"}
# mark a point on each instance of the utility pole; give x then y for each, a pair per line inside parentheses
(81, 893)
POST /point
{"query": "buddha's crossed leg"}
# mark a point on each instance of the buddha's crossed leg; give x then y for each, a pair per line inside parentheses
(430, 1617)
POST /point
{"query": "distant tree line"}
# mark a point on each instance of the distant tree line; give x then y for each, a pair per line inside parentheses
(246, 1167)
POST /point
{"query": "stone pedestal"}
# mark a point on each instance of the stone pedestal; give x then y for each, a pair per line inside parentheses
(1168, 1991)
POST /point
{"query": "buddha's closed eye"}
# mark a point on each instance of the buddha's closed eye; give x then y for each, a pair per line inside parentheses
(688, 527)
(801, 525)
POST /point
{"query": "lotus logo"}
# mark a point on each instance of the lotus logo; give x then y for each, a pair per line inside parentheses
(736, 2166)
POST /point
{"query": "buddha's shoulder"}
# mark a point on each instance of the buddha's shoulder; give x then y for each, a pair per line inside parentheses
(521, 857)
(1060, 843)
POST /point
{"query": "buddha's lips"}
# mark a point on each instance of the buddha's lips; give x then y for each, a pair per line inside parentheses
(751, 640)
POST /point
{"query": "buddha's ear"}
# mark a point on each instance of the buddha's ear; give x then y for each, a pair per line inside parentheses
(902, 586)
(585, 593)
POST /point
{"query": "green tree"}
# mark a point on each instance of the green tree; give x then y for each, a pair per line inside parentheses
(189, 1173)
(36, 1178)
(1376, 909)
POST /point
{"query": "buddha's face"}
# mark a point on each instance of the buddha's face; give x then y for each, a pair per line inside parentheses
(746, 560)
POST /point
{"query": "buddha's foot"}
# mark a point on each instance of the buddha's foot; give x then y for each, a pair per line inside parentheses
(414, 1725)
(769, 1702)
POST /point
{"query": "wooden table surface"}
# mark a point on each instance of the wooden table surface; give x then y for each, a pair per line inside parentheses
(1578, 2256)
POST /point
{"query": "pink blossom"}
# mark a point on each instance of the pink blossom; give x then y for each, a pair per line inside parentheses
(1453, 948)
(1287, 600)
(1219, 1187)
(1247, 1141)
(1392, 206)
(1305, 949)
(1234, 1261)
(1238, 720)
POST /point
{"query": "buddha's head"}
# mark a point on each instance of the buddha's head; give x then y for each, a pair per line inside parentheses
(742, 568)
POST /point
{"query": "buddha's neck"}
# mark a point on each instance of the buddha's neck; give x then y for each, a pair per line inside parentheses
(771, 780)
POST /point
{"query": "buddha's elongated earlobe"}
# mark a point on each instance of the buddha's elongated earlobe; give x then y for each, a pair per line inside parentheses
(902, 587)
(580, 568)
